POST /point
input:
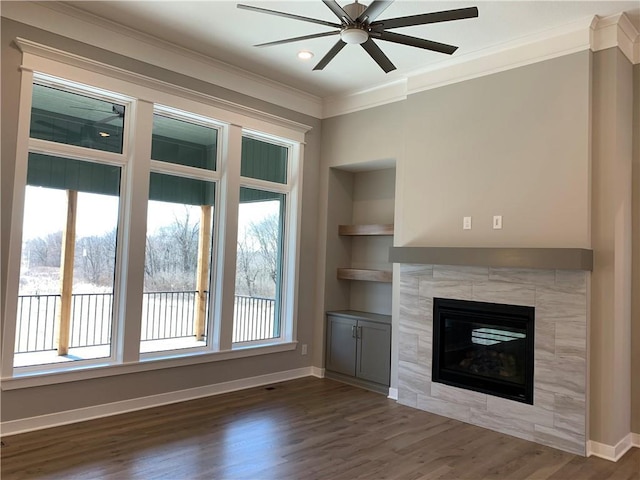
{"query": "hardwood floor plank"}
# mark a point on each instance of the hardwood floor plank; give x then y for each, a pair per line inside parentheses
(303, 429)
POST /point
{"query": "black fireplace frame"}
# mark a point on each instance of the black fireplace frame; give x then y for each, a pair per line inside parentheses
(500, 315)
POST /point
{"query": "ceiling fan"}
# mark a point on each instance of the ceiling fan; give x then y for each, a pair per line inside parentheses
(358, 25)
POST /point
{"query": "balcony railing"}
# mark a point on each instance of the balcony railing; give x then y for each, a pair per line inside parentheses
(165, 315)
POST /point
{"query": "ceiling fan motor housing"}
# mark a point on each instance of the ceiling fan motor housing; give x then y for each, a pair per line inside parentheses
(354, 9)
(354, 33)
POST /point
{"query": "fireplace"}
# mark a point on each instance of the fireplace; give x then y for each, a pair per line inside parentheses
(485, 347)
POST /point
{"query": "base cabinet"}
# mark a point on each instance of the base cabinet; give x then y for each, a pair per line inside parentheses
(358, 348)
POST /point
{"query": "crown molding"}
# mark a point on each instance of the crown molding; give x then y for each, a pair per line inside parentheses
(589, 33)
(33, 49)
(616, 31)
(111, 36)
(373, 97)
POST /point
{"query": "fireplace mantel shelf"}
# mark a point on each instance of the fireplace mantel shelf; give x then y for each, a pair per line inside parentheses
(544, 258)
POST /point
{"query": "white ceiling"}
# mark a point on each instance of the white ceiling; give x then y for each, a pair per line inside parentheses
(220, 30)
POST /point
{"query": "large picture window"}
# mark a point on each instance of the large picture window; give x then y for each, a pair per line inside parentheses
(127, 212)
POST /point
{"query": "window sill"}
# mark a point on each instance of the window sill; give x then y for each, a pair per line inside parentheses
(73, 374)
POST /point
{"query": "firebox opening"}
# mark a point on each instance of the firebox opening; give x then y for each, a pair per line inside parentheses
(485, 347)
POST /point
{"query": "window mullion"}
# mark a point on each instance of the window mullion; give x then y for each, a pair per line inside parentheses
(228, 238)
(134, 220)
(73, 151)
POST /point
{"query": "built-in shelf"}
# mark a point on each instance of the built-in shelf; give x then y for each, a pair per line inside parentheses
(545, 258)
(373, 229)
(365, 274)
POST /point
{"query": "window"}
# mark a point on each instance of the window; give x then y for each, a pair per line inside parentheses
(260, 252)
(128, 211)
(179, 236)
(68, 258)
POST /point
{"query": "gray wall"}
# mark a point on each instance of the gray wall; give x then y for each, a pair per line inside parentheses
(520, 140)
(24, 403)
(635, 312)
(373, 202)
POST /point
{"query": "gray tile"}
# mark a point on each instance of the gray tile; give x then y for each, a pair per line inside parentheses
(545, 339)
(561, 439)
(425, 351)
(408, 346)
(459, 396)
(544, 399)
(414, 324)
(571, 339)
(566, 376)
(407, 397)
(409, 284)
(574, 279)
(570, 414)
(528, 276)
(446, 289)
(461, 273)
(503, 292)
(413, 377)
(519, 411)
(444, 408)
(416, 270)
(511, 426)
(560, 302)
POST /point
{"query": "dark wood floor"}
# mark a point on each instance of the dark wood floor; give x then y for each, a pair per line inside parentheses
(303, 429)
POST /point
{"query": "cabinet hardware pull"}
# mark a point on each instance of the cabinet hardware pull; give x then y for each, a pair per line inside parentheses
(359, 335)
(354, 332)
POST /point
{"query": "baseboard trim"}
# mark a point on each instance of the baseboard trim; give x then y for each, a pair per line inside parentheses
(317, 372)
(609, 452)
(635, 440)
(89, 413)
(393, 393)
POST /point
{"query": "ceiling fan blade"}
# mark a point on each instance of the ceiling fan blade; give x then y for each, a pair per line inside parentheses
(289, 15)
(378, 55)
(297, 39)
(426, 18)
(338, 11)
(415, 42)
(330, 54)
(107, 119)
(373, 11)
(91, 109)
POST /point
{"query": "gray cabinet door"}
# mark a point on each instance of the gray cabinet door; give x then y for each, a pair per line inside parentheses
(374, 351)
(341, 345)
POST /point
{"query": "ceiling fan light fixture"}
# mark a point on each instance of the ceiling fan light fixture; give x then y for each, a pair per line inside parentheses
(354, 35)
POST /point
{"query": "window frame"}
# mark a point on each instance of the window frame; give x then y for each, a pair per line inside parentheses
(212, 176)
(74, 152)
(140, 94)
(289, 189)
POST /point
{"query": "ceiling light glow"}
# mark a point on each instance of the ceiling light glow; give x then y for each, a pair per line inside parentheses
(305, 55)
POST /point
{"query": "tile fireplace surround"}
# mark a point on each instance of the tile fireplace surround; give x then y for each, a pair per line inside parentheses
(558, 415)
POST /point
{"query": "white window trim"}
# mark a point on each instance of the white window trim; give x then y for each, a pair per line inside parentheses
(51, 63)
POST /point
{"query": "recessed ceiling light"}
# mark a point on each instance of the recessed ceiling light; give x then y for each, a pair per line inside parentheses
(104, 134)
(305, 55)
